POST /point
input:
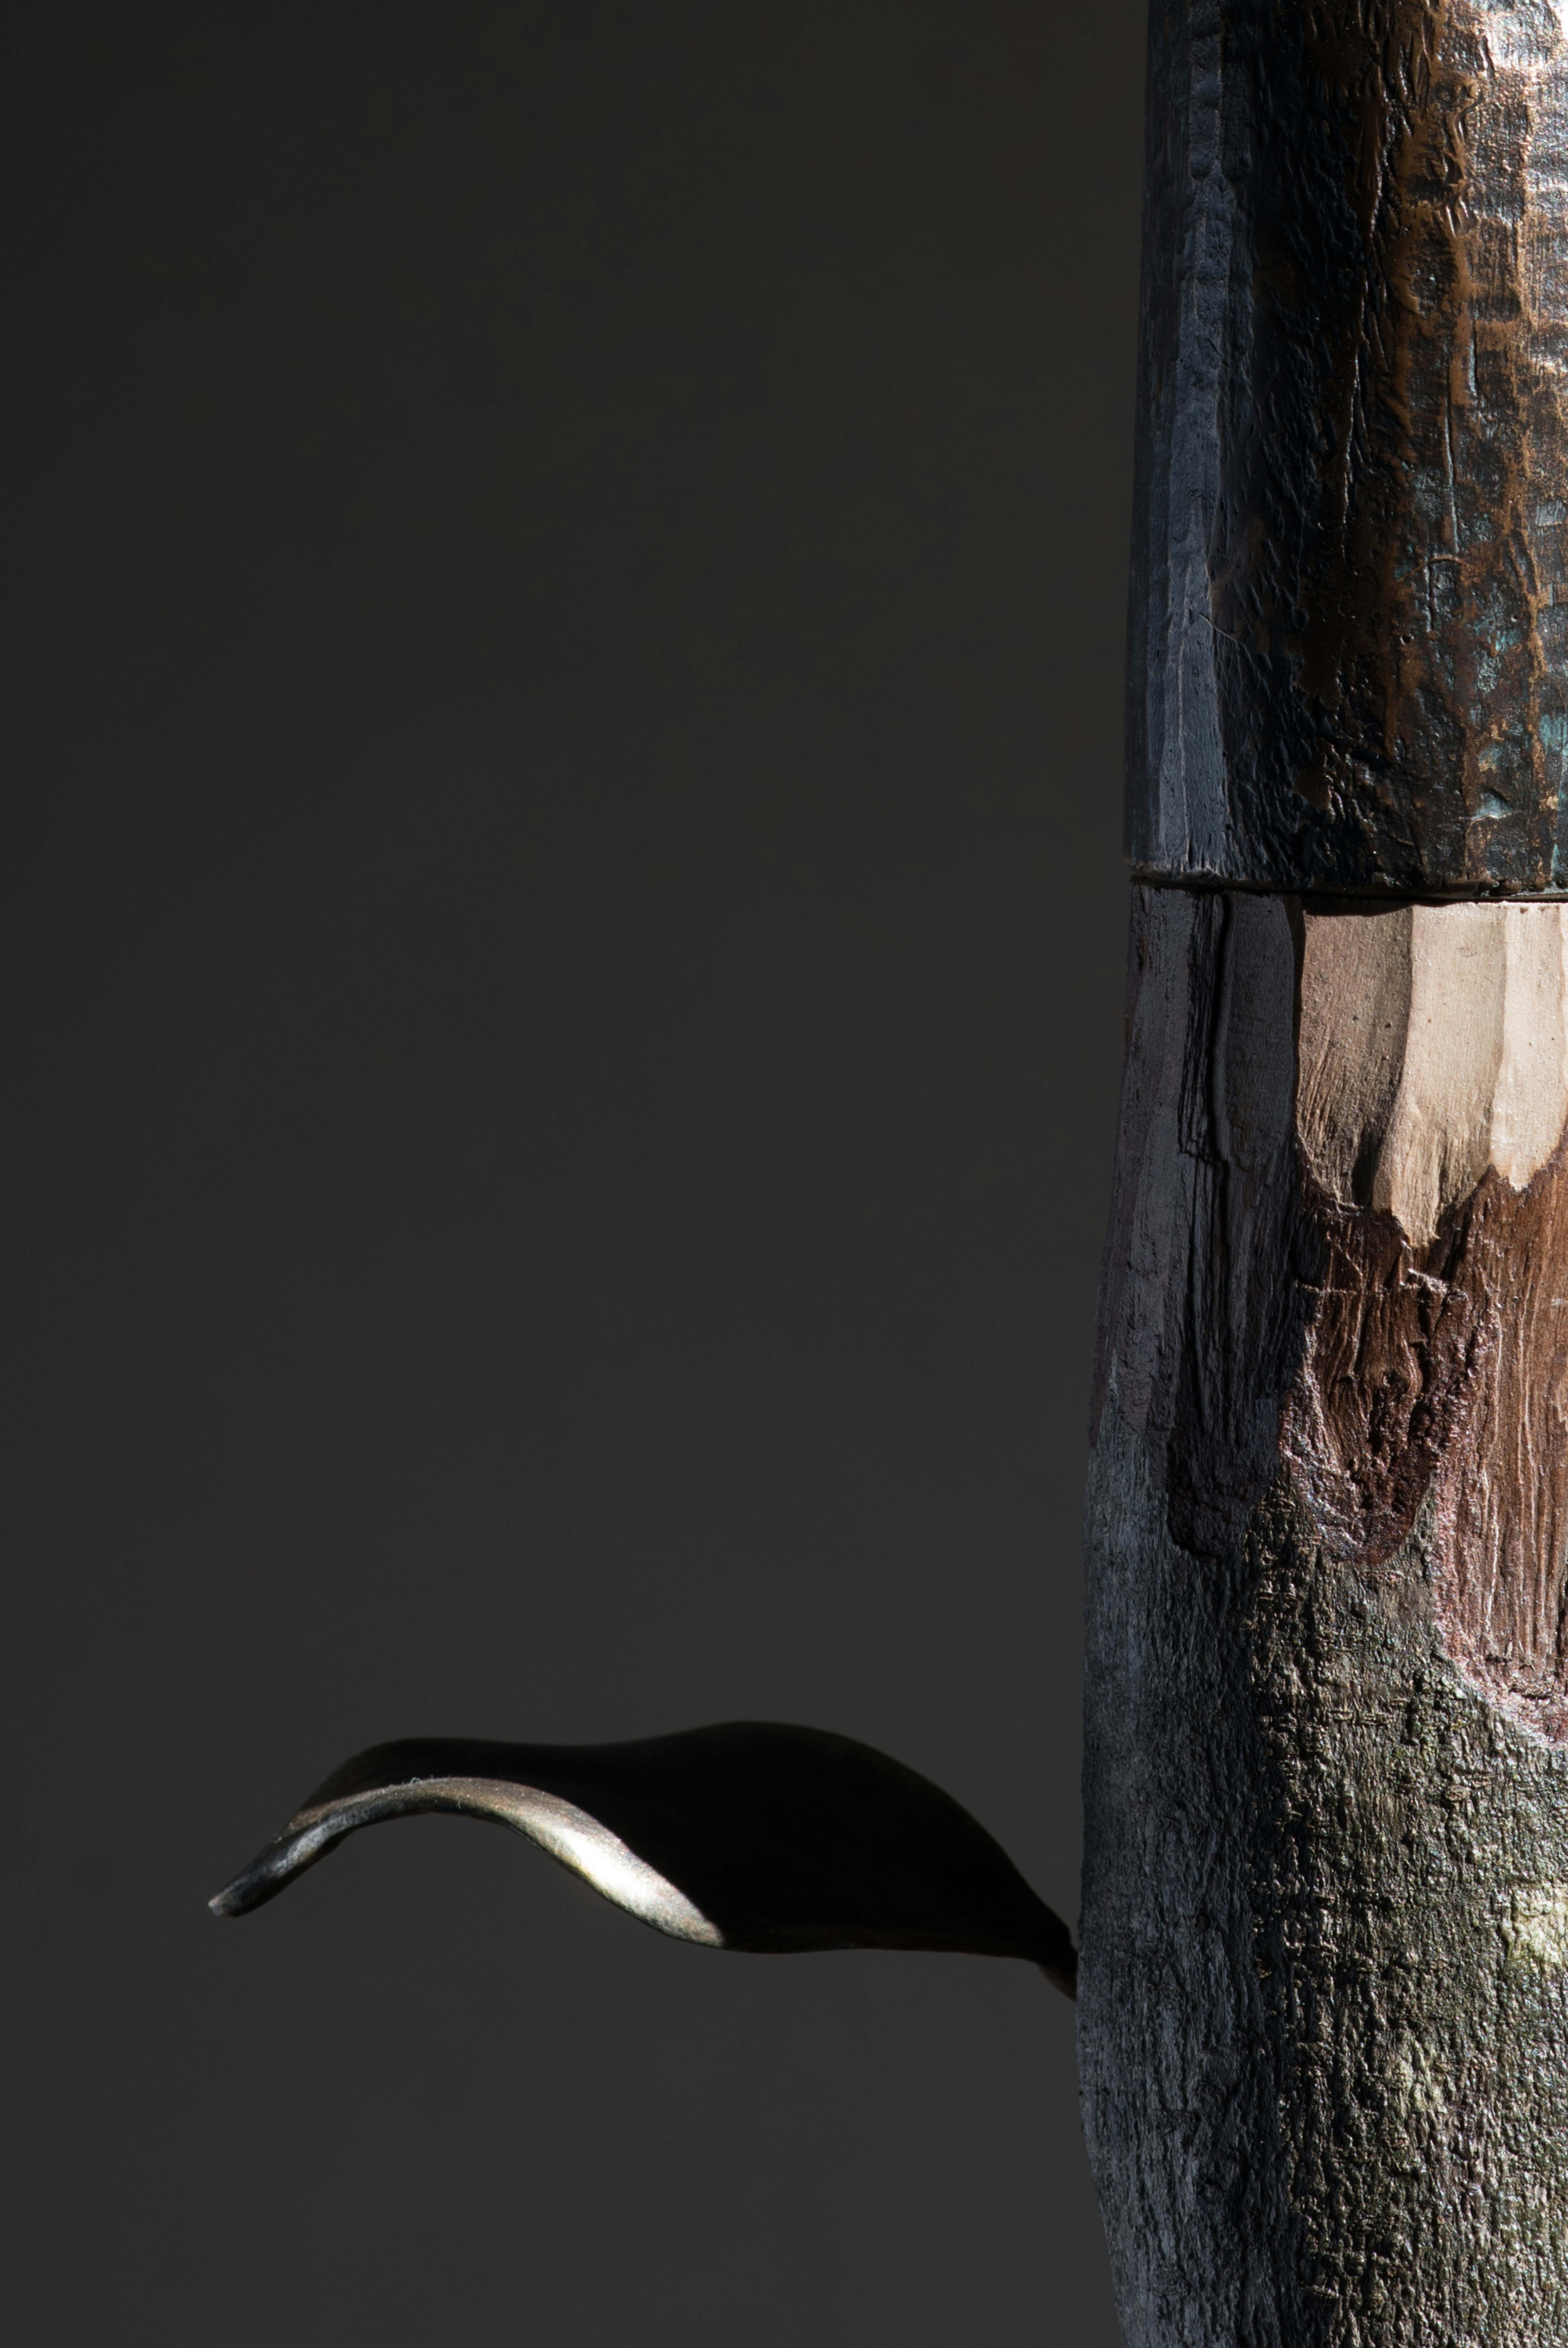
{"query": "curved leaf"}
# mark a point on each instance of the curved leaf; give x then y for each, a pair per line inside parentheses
(753, 1835)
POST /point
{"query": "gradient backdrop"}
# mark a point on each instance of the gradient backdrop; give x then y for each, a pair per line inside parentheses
(564, 948)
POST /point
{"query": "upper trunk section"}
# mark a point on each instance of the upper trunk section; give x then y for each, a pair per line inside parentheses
(1350, 621)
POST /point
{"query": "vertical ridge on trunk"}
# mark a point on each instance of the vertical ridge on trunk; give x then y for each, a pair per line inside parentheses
(1324, 1995)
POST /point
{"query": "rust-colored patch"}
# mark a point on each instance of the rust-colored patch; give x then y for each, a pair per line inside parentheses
(1446, 1368)
(1504, 1495)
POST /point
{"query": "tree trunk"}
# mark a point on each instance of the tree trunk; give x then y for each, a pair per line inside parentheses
(1325, 1969)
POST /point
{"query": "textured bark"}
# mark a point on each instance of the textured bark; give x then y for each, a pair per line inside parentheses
(1323, 2005)
(1325, 1986)
(1351, 578)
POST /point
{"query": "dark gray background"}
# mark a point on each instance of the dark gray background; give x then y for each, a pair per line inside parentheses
(563, 945)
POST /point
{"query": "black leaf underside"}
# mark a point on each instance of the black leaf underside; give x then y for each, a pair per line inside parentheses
(752, 1835)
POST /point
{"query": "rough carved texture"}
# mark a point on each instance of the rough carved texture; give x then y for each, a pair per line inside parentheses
(1349, 616)
(1431, 1100)
(1324, 2013)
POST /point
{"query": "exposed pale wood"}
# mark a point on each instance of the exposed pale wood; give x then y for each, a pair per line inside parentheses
(1434, 1044)
(1324, 1984)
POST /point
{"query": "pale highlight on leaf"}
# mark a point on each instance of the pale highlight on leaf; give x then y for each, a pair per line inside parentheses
(751, 1836)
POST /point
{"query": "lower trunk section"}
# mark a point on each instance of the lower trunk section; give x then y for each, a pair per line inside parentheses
(1323, 2000)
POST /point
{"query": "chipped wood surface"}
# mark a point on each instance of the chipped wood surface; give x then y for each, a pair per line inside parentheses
(1433, 1047)
(1324, 2006)
(1325, 1988)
